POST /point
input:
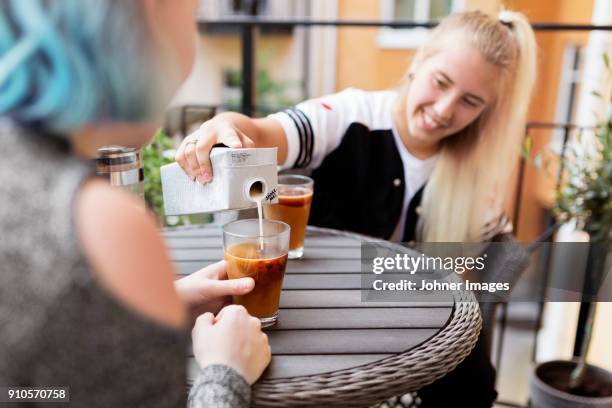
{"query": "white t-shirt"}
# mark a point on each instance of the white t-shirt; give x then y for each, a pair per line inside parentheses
(416, 173)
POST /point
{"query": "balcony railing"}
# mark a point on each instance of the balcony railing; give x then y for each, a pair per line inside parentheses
(248, 24)
(211, 10)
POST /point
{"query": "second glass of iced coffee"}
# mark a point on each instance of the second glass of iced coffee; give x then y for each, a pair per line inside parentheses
(293, 208)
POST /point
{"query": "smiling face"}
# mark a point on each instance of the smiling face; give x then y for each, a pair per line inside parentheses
(448, 92)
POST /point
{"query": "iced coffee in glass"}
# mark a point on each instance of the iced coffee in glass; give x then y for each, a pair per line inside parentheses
(293, 208)
(262, 256)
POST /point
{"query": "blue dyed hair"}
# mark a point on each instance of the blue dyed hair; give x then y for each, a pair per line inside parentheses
(68, 63)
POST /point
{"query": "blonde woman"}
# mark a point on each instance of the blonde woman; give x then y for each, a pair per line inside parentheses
(429, 161)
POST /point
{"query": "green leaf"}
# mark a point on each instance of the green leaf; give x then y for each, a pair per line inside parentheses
(527, 146)
(153, 158)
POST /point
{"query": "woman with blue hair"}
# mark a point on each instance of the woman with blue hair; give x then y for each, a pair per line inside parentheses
(87, 299)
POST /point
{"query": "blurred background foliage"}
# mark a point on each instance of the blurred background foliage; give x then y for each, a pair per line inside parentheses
(154, 156)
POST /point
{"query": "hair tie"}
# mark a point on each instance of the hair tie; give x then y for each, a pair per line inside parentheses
(504, 18)
(508, 24)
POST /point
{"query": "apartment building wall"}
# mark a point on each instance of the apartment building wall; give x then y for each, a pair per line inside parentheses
(362, 63)
(281, 54)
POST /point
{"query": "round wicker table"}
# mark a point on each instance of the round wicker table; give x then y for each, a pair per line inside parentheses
(330, 348)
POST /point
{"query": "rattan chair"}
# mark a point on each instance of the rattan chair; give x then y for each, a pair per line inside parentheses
(505, 264)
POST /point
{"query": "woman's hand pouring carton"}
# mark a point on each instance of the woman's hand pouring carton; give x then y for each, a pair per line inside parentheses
(239, 174)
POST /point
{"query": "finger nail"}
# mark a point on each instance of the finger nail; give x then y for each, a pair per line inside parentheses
(246, 283)
(201, 180)
(206, 176)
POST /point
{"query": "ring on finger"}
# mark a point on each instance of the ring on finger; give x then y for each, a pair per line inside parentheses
(193, 140)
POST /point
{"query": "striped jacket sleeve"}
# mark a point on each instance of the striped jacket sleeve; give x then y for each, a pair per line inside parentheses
(315, 128)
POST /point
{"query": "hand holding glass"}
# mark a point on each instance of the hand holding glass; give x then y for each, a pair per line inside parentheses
(263, 257)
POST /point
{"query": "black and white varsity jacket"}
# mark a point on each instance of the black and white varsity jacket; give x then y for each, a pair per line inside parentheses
(349, 142)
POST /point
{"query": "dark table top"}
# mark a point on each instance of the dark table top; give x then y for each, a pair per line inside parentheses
(323, 324)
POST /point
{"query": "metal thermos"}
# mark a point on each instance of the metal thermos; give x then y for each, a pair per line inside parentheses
(122, 167)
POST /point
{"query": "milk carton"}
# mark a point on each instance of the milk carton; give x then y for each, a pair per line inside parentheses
(239, 175)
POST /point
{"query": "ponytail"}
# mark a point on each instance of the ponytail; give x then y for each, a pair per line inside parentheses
(469, 185)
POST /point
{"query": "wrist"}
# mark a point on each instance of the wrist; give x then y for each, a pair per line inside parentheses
(206, 363)
(226, 377)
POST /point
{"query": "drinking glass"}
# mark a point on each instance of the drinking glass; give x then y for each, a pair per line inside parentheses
(263, 257)
(294, 200)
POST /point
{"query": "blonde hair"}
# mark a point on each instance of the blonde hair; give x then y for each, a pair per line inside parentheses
(473, 170)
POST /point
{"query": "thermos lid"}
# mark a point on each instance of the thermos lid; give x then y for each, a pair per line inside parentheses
(117, 155)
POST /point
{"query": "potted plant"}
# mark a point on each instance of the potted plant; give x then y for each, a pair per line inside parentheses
(585, 197)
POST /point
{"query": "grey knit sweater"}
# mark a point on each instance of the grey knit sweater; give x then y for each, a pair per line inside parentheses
(57, 325)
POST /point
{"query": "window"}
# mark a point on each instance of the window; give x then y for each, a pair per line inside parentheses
(277, 9)
(567, 93)
(249, 7)
(412, 10)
